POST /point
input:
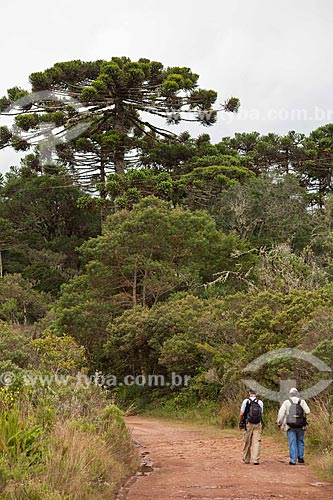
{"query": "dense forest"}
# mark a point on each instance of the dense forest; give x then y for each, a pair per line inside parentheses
(129, 250)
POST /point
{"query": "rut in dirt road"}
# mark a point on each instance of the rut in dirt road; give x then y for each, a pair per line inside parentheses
(191, 465)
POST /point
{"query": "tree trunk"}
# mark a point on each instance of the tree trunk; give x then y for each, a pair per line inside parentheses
(1, 268)
(119, 153)
(119, 161)
(135, 278)
(144, 288)
(24, 314)
(287, 162)
(102, 191)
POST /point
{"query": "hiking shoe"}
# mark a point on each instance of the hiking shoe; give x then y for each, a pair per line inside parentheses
(301, 460)
(292, 463)
(255, 463)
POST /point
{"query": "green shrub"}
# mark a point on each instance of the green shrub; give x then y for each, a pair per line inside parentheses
(20, 442)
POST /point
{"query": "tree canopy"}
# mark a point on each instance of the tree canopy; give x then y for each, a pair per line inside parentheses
(112, 100)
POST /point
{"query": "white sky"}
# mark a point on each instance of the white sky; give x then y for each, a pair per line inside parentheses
(276, 56)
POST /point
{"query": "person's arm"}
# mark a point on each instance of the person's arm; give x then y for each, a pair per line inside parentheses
(242, 413)
(281, 414)
(305, 407)
(261, 406)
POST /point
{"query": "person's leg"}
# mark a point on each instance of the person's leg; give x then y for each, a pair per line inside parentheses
(292, 439)
(300, 445)
(256, 440)
(247, 443)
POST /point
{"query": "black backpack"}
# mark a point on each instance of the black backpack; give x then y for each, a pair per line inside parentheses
(296, 418)
(254, 412)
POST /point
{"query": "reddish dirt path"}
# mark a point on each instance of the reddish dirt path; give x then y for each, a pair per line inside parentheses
(191, 464)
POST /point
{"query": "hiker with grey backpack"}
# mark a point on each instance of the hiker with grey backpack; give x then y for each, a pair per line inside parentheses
(250, 421)
(292, 419)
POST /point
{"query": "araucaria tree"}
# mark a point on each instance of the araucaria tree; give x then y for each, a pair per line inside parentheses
(116, 98)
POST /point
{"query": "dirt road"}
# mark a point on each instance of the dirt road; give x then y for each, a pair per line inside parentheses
(193, 465)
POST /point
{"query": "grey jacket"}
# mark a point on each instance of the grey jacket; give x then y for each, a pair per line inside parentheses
(284, 411)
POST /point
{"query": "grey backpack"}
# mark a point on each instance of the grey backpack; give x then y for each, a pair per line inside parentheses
(296, 418)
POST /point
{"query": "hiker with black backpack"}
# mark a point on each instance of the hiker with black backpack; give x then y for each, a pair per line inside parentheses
(250, 420)
(292, 418)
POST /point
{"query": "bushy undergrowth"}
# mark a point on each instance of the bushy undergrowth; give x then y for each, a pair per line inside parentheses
(58, 441)
(320, 437)
(75, 457)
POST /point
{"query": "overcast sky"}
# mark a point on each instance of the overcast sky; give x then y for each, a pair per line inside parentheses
(276, 56)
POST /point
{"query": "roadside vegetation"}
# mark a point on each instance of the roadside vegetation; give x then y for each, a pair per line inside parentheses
(58, 440)
(138, 252)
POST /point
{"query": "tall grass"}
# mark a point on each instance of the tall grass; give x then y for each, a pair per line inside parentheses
(321, 438)
(82, 466)
(78, 458)
(21, 447)
(203, 412)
